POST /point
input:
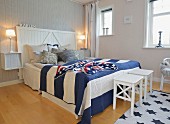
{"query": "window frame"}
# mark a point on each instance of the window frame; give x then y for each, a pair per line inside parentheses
(102, 20)
(149, 25)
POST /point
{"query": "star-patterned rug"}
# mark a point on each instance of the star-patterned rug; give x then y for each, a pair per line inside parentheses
(155, 110)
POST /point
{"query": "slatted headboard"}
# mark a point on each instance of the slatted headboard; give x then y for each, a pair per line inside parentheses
(37, 36)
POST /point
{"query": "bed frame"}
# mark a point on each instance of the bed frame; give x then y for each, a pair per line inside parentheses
(37, 36)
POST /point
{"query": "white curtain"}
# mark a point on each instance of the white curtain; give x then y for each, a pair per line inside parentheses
(91, 27)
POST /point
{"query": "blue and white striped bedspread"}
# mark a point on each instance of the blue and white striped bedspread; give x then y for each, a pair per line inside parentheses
(81, 89)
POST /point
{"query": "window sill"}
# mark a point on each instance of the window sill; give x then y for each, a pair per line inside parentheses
(150, 47)
(106, 35)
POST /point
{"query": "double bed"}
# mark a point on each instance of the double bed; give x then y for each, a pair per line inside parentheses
(82, 94)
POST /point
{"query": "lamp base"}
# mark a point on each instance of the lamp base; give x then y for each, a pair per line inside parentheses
(159, 46)
(11, 51)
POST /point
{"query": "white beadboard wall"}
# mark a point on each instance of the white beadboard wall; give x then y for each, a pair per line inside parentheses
(48, 14)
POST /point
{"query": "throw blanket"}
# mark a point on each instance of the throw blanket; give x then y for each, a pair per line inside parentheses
(91, 93)
(88, 67)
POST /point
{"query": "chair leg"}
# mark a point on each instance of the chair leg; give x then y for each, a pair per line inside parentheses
(162, 81)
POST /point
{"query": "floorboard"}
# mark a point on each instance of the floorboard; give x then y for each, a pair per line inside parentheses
(19, 104)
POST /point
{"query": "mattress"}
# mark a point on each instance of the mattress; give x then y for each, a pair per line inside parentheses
(32, 67)
(31, 74)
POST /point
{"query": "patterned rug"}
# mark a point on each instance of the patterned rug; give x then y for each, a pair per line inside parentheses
(156, 110)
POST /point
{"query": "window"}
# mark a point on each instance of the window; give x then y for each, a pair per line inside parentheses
(159, 21)
(106, 22)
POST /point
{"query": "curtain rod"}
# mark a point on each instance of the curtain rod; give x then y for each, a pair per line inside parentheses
(91, 2)
(153, 0)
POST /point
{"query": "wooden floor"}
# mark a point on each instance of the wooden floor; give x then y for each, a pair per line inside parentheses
(20, 105)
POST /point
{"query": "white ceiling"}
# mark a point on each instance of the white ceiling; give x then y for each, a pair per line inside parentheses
(82, 1)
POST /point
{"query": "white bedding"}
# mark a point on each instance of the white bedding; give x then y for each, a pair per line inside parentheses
(32, 66)
(39, 65)
(31, 73)
(95, 87)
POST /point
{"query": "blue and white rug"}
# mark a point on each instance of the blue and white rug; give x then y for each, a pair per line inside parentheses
(156, 110)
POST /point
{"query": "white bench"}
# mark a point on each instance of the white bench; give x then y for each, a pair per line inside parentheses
(146, 74)
(128, 81)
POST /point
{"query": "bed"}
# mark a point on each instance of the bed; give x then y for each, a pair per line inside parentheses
(82, 94)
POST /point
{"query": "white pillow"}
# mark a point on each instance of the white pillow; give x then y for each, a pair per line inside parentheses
(50, 46)
(35, 51)
(65, 47)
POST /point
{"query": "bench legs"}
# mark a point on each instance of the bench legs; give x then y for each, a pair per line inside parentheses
(151, 79)
(132, 99)
(140, 92)
(114, 95)
(146, 83)
(124, 95)
(145, 89)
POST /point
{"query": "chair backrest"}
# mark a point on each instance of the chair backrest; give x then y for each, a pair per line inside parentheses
(166, 62)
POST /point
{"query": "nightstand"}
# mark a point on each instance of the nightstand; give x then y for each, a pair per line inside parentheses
(10, 61)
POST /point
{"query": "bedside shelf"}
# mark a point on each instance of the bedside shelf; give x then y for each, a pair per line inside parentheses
(11, 61)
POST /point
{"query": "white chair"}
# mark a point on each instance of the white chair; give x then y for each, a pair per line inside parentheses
(165, 70)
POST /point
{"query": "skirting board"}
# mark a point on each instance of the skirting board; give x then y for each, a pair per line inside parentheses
(155, 79)
(3, 84)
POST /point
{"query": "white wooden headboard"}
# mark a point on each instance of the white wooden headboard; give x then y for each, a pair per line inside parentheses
(37, 36)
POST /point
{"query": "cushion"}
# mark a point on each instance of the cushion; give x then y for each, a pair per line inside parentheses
(56, 52)
(37, 57)
(77, 54)
(48, 58)
(80, 54)
(34, 51)
(68, 55)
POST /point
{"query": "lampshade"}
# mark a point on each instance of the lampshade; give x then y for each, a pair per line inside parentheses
(10, 33)
(82, 37)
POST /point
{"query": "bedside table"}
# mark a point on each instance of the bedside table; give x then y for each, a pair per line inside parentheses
(10, 61)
